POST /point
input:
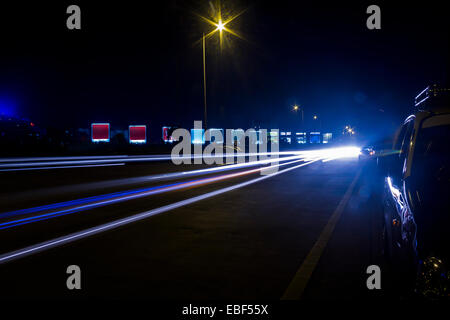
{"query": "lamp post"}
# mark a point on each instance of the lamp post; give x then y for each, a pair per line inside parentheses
(296, 108)
(219, 27)
(204, 83)
(315, 118)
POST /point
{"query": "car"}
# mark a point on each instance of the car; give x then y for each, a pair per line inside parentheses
(417, 202)
(366, 153)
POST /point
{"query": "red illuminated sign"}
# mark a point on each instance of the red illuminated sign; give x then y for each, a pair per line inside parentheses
(166, 137)
(100, 132)
(138, 134)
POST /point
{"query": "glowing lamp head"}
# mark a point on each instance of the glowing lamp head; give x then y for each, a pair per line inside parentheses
(220, 26)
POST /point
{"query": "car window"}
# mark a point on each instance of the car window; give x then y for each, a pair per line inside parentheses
(400, 137)
(430, 166)
(406, 139)
(433, 141)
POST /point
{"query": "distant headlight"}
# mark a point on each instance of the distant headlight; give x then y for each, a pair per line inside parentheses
(433, 279)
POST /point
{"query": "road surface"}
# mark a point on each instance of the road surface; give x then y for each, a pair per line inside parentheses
(308, 232)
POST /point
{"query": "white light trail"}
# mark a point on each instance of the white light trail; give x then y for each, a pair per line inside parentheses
(28, 162)
(10, 256)
(71, 208)
(64, 167)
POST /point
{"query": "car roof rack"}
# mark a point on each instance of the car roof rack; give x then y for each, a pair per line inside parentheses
(432, 97)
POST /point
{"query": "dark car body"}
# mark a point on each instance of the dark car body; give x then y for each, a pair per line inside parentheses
(417, 201)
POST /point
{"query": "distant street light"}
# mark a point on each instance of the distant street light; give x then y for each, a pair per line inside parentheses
(348, 130)
(316, 117)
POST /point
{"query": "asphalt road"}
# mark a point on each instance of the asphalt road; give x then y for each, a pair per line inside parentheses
(309, 233)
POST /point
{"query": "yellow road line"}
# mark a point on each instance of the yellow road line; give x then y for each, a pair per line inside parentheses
(303, 274)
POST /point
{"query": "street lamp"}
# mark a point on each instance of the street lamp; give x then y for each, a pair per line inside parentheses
(316, 117)
(348, 129)
(220, 26)
(296, 108)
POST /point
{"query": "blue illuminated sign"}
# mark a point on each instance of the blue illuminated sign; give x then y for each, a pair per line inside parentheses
(198, 136)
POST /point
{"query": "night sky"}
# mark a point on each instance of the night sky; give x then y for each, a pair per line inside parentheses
(142, 64)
